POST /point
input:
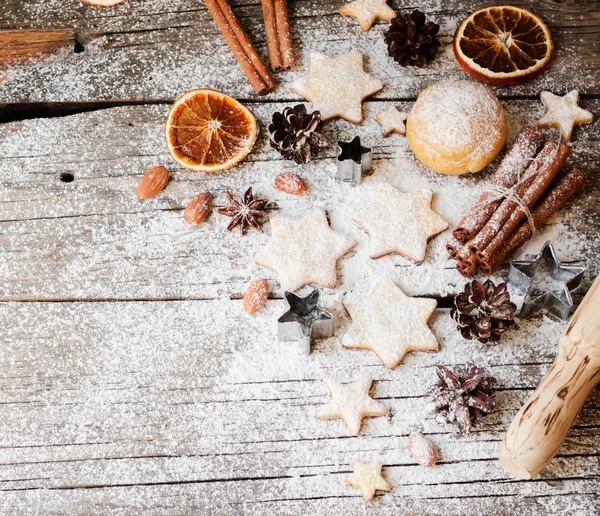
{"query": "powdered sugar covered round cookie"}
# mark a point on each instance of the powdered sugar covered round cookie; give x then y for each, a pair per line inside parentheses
(457, 127)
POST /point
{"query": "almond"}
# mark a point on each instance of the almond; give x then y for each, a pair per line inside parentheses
(423, 450)
(198, 209)
(153, 182)
(256, 296)
(289, 182)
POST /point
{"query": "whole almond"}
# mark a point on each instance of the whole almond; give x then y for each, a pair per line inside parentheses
(153, 182)
(256, 296)
(198, 209)
(423, 450)
(289, 182)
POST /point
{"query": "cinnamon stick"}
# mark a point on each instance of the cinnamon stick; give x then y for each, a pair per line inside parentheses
(540, 184)
(260, 78)
(527, 145)
(279, 38)
(268, 8)
(553, 200)
(541, 171)
(285, 35)
(453, 247)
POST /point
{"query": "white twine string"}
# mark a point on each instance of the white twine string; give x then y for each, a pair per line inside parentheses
(500, 192)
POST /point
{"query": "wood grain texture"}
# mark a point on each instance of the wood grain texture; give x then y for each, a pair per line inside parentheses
(92, 239)
(102, 407)
(150, 50)
(22, 46)
(540, 427)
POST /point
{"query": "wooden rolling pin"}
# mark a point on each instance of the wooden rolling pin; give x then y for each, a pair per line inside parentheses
(540, 427)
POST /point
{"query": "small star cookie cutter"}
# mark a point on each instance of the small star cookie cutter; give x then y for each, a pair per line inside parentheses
(353, 161)
(304, 321)
(524, 275)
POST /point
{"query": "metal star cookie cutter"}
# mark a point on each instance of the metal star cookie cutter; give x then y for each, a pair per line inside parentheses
(353, 161)
(304, 321)
(524, 275)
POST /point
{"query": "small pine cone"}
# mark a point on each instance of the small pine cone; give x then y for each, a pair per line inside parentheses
(463, 396)
(483, 311)
(295, 135)
(412, 41)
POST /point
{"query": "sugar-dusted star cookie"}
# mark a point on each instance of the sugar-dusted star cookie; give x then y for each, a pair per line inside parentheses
(336, 86)
(392, 121)
(397, 222)
(390, 323)
(367, 478)
(351, 402)
(564, 113)
(304, 251)
(367, 11)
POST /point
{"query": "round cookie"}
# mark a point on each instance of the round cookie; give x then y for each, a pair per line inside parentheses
(457, 127)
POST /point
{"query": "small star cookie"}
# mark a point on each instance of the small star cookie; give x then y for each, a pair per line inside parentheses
(397, 222)
(351, 403)
(367, 11)
(392, 121)
(304, 251)
(390, 323)
(367, 478)
(564, 113)
(337, 86)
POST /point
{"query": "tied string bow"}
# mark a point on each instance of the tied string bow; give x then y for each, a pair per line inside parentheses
(497, 192)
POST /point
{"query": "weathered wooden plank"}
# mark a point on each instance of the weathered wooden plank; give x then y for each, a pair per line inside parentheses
(91, 238)
(21, 46)
(144, 406)
(156, 50)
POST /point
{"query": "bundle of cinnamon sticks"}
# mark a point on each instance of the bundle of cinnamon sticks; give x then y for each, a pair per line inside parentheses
(260, 78)
(527, 189)
(279, 41)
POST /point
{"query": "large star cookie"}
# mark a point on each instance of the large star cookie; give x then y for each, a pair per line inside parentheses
(367, 11)
(396, 222)
(392, 121)
(390, 323)
(351, 403)
(367, 478)
(336, 86)
(564, 112)
(304, 250)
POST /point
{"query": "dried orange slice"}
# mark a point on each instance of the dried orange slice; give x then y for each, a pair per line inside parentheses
(503, 45)
(208, 131)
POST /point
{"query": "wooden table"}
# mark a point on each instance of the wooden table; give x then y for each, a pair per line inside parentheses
(132, 381)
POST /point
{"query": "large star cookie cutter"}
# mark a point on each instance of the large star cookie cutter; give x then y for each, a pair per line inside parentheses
(353, 161)
(546, 283)
(304, 321)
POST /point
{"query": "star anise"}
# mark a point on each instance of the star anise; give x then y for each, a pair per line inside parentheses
(463, 396)
(246, 211)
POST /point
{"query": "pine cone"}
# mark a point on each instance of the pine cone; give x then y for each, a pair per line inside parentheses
(463, 396)
(483, 311)
(411, 41)
(294, 133)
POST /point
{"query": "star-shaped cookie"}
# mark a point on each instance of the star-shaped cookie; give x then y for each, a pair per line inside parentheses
(390, 323)
(367, 478)
(397, 222)
(336, 86)
(304, 251)
(351, 402)
(392, 121)
(367, 11)
(564, 113)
